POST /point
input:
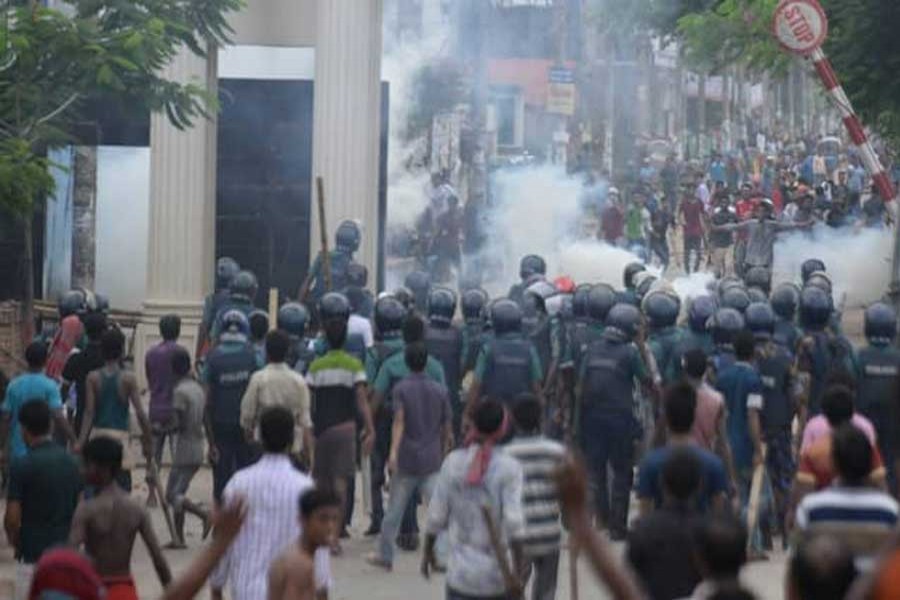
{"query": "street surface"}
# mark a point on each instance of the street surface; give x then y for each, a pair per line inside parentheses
(355, 579)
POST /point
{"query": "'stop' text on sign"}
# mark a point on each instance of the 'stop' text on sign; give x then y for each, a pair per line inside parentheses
(800, 25)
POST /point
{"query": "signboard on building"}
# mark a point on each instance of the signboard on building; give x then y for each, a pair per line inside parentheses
(561, 91)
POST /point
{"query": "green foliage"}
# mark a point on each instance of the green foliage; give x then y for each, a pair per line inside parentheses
(23, 176)
(52, 61)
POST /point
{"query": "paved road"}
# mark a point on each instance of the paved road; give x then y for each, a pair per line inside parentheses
(358, 581)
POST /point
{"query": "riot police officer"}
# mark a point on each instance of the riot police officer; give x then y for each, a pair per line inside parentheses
(419, 283)
(334, 305)
(735, 297)
(643, 284)
(474, 311)
(241, 294)
(72, 305)
(776, 371)
(628, 296)
(784, 301)
(293, 319)
(226, 269)
(698, 335)
(508, 366)
(347, 239)
(810, 266)
(444, 341)
(358, 277)
(531, 268)
(724, 325)
(538, 326)
(664, 339)
(606, 421)
(760, 278)
(820, 351)
(878, 379)
(229, 366)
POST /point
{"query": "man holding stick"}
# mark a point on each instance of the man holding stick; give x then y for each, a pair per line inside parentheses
(474, 478)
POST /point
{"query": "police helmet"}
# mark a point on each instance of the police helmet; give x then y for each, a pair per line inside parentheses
(441, 305)
(643, 283)
(881, 324)
(661, 308)
(728, 282)
(600, 300)
(405, 296)
(293, 318)
(532, 265)
(101, 303)
(809, 267)
(820, 280)
(334, 305)
(736, 298)
(760, 319)
(758, 277)
(625, 319)
(348, 236)
(474, 302)
(234, 322)
(71, 303)
(506, 316)
(580, 301)
(632, 269)
(815, 307)
(702, 308)
(226, 269)
(725, 324)
(389, 315)
(784, 300)
(542, 289)
(243, 284)
(357, 275)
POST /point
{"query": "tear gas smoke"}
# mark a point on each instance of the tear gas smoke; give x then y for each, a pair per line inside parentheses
(858, 261)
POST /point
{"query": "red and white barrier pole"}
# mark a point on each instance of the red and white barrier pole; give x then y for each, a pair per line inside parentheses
(854, 126)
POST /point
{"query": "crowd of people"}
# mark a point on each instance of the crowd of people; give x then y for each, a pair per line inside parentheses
(737, 419)
(701, 208)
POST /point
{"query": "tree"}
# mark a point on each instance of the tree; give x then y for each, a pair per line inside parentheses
(53, 61)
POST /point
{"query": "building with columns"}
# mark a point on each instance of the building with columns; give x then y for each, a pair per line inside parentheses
(300, 96)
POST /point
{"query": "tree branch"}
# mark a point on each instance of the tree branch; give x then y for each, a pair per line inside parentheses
(53, 114)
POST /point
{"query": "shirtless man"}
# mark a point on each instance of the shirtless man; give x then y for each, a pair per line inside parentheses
(107, 524)
(292, 575)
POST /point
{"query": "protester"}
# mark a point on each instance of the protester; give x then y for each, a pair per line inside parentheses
(108, 523)
(259, 327)
(691, 213)
(657, 541)
(269, 489)
(80, 364)
(422, 434)
(189, 404)
(31, 385)
(540, 458)
(161, 381)
(679, 403)
(821, 568)
(44, 487)
(111, 391)
(292, 574)
(852, 510)
(720, 551)
(277, 385)
(480, 477)
(338, 383)
(709, 430)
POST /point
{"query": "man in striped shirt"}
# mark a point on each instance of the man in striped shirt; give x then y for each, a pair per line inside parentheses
(540, 458)
(270, 490)
(862, 516)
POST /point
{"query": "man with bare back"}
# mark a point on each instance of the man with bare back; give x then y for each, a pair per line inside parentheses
(292, 574)
(107, 524)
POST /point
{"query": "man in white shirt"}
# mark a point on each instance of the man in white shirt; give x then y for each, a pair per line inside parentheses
(271, 490)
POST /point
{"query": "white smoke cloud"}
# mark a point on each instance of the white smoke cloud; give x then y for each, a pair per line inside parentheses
(858, 261)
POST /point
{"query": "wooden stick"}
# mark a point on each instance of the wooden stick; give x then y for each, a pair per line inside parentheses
(755, 493)
(573, 568)
(153, 476)
(513, 586)
(323, 234)
(273, 308)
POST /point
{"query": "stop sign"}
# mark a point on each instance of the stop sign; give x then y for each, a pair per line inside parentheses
(800, 25)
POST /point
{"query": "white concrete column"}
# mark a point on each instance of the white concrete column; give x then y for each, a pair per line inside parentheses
(347, 120)
(181, 236)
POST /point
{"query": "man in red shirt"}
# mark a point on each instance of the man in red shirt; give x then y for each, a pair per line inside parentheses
(744, 207)
(692, 216)
(612, 219)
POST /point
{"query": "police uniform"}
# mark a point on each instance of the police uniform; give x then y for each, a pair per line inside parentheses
(665, 345)
(445, 343)
(878, 395)
(508, 367)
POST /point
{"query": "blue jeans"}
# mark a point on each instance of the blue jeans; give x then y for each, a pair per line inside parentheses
(403, 488)
(234, 454)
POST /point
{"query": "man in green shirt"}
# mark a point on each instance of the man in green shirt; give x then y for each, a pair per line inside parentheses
(44, 486)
